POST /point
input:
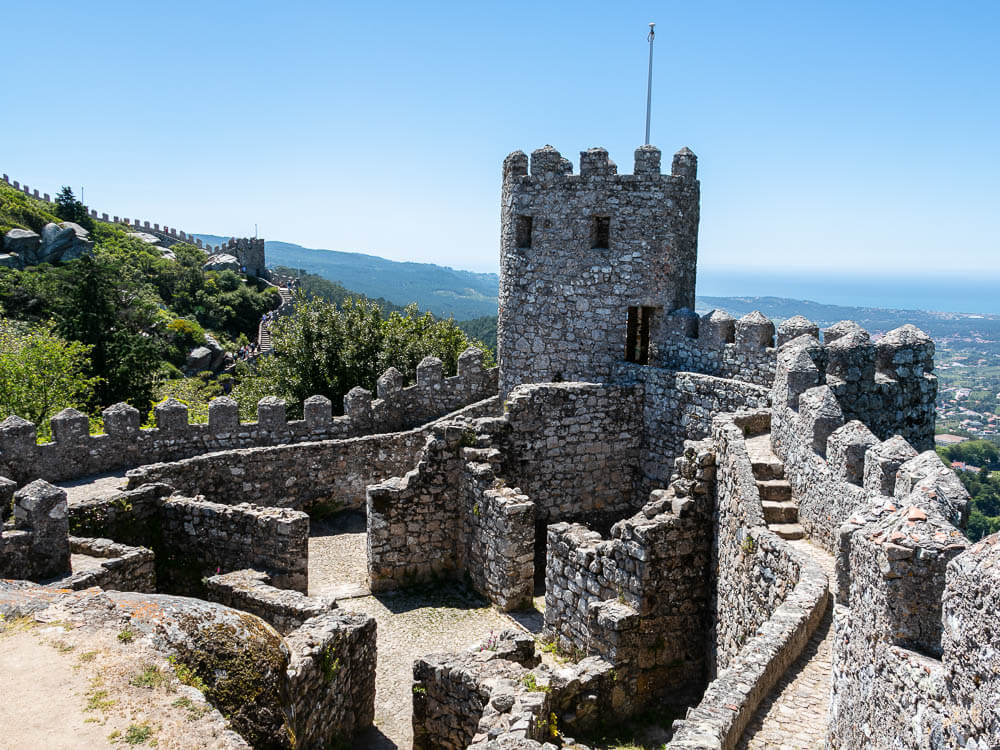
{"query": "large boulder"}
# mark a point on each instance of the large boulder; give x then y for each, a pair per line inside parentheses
(63, 241)
(198, 359)
(222, 262)
(149, 239)
(23, 242)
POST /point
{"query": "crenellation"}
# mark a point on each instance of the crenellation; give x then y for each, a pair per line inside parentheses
(70, 427)
(223, 415)
(171, 417)
(121, 421)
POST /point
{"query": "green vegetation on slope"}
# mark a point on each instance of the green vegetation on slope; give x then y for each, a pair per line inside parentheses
(132, 314)
(982, 485)
(331, 291)
(18, 211)
(328, 349)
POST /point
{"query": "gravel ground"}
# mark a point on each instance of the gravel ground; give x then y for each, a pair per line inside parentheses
(445, 617)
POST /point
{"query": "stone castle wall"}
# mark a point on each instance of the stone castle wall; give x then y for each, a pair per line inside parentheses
(573, 448)
(330, 473)
(74, 453)
(640, 598)
(566, 282)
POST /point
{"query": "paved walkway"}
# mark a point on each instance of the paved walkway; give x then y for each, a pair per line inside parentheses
(796, 714)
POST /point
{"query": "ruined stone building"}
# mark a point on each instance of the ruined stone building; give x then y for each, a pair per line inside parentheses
(694, 493)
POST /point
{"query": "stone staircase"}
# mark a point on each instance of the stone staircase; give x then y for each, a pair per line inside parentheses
(780, 512)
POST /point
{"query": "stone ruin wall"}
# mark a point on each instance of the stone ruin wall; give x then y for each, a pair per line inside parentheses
(564, 300)
(639, 599)
(191, 538)
(74, 453)
(328, 474)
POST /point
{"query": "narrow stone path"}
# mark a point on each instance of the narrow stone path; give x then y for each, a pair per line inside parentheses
(796, 714)
(94, 486)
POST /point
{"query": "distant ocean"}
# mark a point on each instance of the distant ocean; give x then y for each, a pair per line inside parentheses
(943, 294)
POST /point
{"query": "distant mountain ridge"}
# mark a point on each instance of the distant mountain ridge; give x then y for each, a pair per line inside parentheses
(467, 295)
(443, 290)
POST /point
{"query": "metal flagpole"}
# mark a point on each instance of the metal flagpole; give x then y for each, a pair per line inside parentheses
(649, 80)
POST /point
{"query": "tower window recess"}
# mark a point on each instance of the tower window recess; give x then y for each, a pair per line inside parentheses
(523, 231)
(601, 233)
(637, 335)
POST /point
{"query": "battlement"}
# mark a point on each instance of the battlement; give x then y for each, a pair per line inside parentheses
(547, 165)
(74, 453)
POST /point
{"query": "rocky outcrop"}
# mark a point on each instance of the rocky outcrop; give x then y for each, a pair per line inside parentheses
(222, 262)
(210, 356)
(58, 242)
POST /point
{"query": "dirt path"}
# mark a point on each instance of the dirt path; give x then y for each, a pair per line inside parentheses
(83, 688)
(796, 714)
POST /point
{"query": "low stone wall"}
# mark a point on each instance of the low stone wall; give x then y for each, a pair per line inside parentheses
(200, 538)
(640, 599)
(332, 473)
(123, 568)
(130, 517)
(35, 544)
(330, 678)
(250, 591)
(769, 598)
(74, 453)
(499, 693)
(450, 516)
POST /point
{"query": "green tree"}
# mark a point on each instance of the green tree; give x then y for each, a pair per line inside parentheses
(68, 208)
(328, 350)
(41, 373)
(113, 318)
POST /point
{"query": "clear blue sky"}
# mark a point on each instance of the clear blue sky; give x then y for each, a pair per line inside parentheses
(849, 135)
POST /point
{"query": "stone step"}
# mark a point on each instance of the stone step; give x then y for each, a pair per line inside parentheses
(776, 490)
(778, 512)
(787, 530)
(482, 455)
(766, 468)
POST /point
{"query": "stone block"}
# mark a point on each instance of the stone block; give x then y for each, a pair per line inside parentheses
(794, 327)
(430, 373)
(754, 331)
(171, 416)
(223, 415)
(470, 362)
(882, 461)
(717, 329)
(271, 414)
(121, 421)
(905, 352)
(821, 415)
(358, 405)
(846, 449)
(318, 412)
(70, 427)
(390, 383)
(685, 165)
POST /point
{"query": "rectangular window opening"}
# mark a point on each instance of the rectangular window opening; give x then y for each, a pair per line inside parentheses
(523, 231)
(601, 233)
(637, 335)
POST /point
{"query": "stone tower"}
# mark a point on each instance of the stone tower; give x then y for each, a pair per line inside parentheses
(590, 263)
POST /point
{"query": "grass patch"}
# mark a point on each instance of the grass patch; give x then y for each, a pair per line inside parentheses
(98, 700)
(126, 635)
(193, 710)
(150, 677)
(137, 734)
(11, 625)
(88, 656)
(186, 675)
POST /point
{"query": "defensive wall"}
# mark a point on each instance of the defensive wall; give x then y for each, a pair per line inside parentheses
(248, 250)
(74, 453)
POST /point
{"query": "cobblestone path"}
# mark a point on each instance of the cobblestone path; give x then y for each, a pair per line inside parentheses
(796, 713)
